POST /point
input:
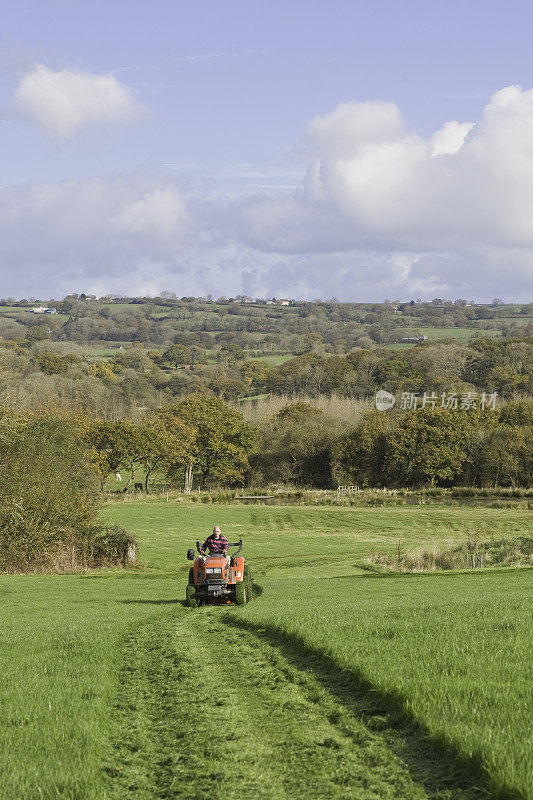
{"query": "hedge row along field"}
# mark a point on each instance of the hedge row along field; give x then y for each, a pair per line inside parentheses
(334, 682)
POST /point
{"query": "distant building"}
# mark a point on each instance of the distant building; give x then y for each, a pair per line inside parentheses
(413, 338)
(42, 310)
(284, 302)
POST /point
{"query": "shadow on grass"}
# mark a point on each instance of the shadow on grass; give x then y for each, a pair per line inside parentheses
(153, 602)
(432, 761)
(258, 591)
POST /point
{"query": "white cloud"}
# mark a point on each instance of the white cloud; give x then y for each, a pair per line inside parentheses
(159, 213)
(463, 196)
(73, 233)
(63, 102)
(352, 125)
(450, 138)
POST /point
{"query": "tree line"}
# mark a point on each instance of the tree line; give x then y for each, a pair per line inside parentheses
(54, 466)
(304, 446)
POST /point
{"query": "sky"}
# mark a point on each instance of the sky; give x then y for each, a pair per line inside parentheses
(363, 151)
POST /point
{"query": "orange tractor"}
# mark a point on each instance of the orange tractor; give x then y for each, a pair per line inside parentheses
(218, 579)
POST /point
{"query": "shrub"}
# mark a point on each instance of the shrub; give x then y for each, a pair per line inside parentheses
(49, 498)
(110, 545)
(504, 553)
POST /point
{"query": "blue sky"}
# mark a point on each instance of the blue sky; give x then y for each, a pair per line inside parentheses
(184, 138)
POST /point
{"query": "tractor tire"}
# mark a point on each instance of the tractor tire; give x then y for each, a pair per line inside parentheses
(241, 594)
(248, 582)
(190, 596)
(191, 576)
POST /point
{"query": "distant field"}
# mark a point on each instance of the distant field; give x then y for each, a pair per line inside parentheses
(461, 334)
(334, 682)
(398, 346)
(274, 361)
(12, 312)
(100, 352)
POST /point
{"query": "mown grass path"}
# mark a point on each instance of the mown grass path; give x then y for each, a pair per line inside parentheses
(208, 708)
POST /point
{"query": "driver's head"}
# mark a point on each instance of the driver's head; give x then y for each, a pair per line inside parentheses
(216, 531)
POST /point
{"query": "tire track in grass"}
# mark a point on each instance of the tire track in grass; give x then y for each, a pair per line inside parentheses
(432, 763)
(206, 709)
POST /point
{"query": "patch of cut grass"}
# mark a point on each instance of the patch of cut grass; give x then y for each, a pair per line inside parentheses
(208, 710)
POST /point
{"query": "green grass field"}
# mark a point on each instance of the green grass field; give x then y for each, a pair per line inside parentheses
(11, 312)
(334, 682)
(274, 361)
(462, 335)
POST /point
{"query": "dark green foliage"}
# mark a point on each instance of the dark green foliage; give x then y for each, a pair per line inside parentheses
(439, 447)
(298, 447)
(227, 388)
(48, 492)
(231, 353)
(36, 333)
(309, 374)
(517, 412)
(426, 447)
(111, 445)
(362, 452)
(506, 458)
(503, 366)
(177, 355)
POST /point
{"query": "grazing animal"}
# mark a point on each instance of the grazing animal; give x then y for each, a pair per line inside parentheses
(138, 486)
(118, 476)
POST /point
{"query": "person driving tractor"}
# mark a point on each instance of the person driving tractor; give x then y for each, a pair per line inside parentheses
(216, 544)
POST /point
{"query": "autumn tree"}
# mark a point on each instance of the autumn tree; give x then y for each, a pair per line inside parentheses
(164, 441)
(111, 446)
(222, 440)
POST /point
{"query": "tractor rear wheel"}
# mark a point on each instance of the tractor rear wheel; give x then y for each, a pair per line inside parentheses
(248, 582)
(190, 596)
(191, 576)
(241, 595)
